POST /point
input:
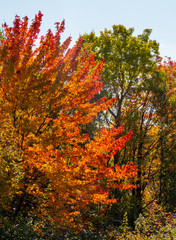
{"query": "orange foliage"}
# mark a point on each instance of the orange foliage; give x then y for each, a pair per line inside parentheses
(44, 93)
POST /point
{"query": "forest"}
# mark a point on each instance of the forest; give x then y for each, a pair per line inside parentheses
(87, 135)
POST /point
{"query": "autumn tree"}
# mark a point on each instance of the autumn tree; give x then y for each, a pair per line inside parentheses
(45, 93)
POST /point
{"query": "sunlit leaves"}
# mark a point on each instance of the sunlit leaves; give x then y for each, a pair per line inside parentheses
(45, 98)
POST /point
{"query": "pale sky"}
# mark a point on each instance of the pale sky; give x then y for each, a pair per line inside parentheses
(96, 15)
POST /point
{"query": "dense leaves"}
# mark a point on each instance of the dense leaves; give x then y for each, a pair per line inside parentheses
(48, 166)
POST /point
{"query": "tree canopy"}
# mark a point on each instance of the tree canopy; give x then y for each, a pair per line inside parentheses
(51, 168)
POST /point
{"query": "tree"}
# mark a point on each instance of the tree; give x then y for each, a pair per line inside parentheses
(45, 94)
(129, 65)
(163, 85)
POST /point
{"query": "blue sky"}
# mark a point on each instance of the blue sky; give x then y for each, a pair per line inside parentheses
(95, 15)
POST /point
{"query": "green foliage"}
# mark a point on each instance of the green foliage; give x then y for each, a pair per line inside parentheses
(20, 229)
(127, 57)
(154, 224)
(129, 63)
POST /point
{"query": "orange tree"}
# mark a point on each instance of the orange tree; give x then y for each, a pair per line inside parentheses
(48, 166)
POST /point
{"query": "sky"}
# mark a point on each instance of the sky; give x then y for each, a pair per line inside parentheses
(84, 16)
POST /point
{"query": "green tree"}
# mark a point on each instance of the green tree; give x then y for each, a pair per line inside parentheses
(127, 60)
(129, 63)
